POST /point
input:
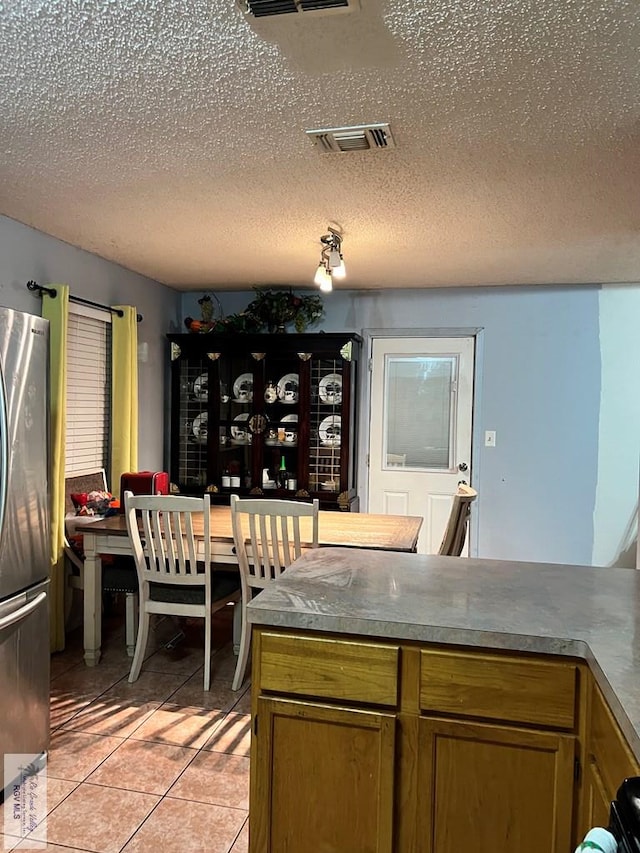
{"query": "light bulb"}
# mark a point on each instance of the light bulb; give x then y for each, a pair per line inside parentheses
(321, 274)
(334, 258)
(326, 285)
(340, 271)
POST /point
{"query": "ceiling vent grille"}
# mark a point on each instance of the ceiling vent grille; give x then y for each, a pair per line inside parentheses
(269, 8)
(360, 138)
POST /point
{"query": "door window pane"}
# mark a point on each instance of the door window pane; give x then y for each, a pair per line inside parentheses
(419, 411)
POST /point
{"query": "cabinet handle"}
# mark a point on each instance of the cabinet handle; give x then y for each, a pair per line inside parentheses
(576, 769)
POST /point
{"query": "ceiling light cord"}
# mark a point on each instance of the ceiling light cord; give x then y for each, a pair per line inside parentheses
(331, 260)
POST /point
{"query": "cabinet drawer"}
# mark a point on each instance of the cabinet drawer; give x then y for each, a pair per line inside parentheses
(608, 746)
(329, 669)
(517, 690)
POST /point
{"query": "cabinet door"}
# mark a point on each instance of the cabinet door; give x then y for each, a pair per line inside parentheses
(236, 449)
(493, 790)
(608, 761)
(285, 394)
(193, 380)
(330, 438)
(607, 746)
(596, 803)
(322, 779)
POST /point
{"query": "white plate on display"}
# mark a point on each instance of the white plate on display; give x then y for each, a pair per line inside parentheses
(201, 387)
(243, 388)
(199, 426)
(330, 430)
(240, 429)
(288, 388)
(330, 388)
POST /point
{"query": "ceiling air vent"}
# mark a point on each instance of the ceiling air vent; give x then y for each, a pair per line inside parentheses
(360, 138)
(268, 8)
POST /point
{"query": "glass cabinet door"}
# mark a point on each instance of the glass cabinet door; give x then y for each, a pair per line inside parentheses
(236, 444)
(260, 423)
(283, 396)
(190, 449)
(327, 458)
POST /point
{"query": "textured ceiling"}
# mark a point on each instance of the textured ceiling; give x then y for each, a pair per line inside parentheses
(169, 137)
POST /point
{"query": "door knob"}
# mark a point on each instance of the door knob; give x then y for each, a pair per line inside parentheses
(463, 466)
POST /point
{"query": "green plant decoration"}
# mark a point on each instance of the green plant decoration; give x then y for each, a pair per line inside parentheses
(272, 310)
(276, 309)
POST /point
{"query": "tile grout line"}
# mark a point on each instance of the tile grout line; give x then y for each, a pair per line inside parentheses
(238, 834)
(218, 654)
(113, 684)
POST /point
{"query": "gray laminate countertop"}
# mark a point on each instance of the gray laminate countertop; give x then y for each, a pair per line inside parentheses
(579, 611)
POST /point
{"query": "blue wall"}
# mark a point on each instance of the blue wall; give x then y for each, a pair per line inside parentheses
(29, 254)
(616, 511)
(539, 371)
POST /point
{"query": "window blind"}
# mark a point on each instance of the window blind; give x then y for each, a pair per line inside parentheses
(88, 392)
(419, 410)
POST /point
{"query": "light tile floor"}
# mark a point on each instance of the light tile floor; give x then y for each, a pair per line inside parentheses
(154, 765)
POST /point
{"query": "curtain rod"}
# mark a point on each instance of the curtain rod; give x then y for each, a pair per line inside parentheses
(52, 292)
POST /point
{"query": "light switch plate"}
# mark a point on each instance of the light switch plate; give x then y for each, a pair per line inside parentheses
(490, 438)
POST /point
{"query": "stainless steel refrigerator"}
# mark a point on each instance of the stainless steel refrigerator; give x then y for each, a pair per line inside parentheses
(24, 535)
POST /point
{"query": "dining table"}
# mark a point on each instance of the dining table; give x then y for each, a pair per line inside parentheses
(335, 529)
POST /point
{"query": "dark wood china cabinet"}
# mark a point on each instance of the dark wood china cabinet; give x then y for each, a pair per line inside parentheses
(272, 415)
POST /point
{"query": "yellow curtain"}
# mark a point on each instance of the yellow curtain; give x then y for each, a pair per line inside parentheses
(56, 311)
(124, 395)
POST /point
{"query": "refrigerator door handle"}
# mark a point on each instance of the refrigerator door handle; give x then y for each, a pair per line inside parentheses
(4, 453)
(22, 612)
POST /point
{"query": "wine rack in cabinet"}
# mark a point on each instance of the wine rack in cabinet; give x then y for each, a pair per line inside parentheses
(270, 415)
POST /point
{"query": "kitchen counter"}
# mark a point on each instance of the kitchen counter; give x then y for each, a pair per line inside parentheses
(577, 611)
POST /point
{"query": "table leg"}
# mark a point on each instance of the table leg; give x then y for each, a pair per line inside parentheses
(92, 600)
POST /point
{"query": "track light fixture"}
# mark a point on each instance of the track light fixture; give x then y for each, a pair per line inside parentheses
(331, 261)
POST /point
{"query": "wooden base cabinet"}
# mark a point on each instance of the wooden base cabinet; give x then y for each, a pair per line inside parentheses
(608, 762)
(497, 751)
(504, 789)
(323, 779)
(364, 746)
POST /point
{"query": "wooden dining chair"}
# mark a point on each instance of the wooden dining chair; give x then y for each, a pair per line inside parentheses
(118, 573)
(175, 571)
(267, 539)
(456, 530)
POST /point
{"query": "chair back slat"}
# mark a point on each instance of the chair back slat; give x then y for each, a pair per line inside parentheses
(268, 536)
(162, 533)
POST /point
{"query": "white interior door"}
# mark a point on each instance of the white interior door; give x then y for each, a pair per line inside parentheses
(420, 436)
